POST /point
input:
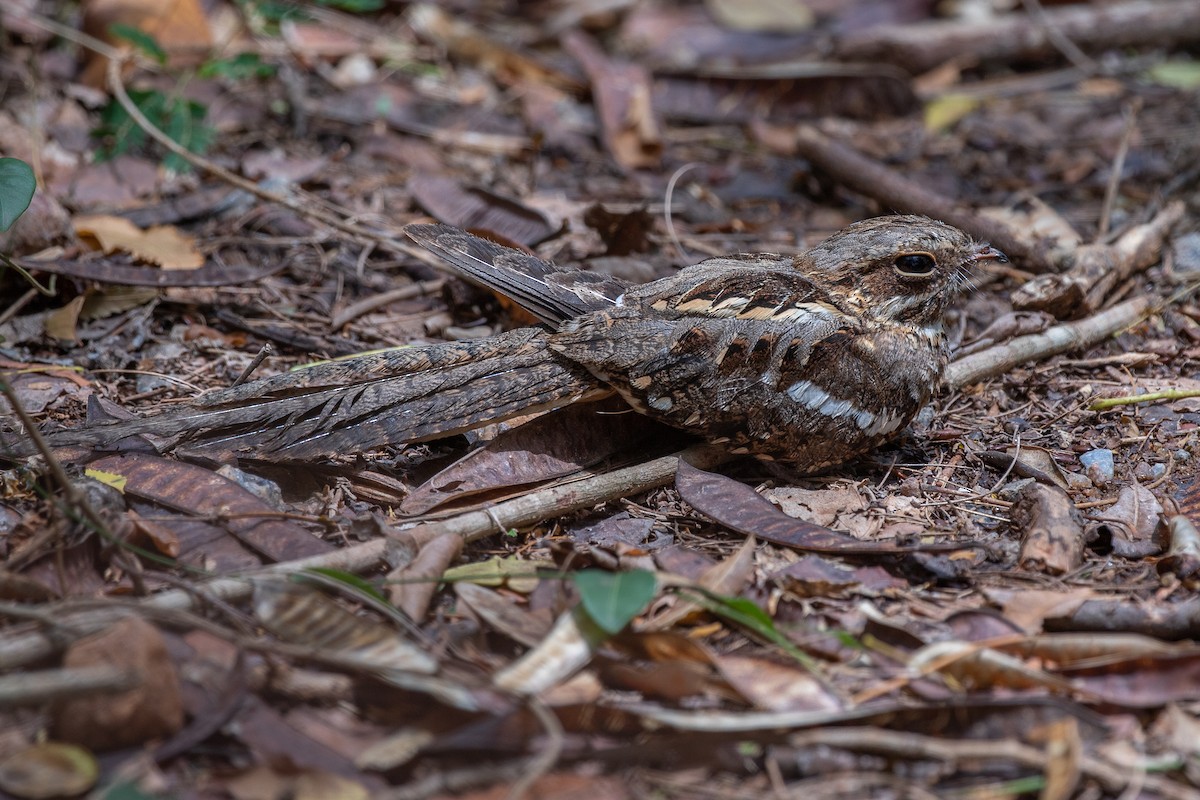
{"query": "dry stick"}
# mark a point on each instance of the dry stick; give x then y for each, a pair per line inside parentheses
(924, 45)
(851, 168)
(905, 744)
(392, 242)
(18, 649)
(1118, 166)
(1061, 41)
(35, 688)
(1003, 357)
(369, 304)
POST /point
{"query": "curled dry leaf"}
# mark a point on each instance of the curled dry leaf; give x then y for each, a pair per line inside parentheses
(310, 618)
(975, 667)
(1183, 555)
(562, 653)
(48, 770)
(1130, 522)
(412, 586)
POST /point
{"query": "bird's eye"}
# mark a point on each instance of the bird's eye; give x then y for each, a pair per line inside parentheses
(915, 265)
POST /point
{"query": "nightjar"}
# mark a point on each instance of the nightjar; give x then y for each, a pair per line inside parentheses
(807, 359)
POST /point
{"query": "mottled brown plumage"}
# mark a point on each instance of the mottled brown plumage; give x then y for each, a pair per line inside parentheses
(810, 360)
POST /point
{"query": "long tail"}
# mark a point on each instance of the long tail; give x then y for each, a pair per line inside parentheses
(396, 397)
(552, 294)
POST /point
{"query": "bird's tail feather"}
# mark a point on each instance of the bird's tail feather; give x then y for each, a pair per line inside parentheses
(397, 397)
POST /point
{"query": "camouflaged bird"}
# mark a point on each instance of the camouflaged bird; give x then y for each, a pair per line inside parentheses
(809, 360)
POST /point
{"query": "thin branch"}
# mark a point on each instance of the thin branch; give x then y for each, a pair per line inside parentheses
(1069, 336)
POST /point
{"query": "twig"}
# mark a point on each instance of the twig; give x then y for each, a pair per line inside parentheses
(1060, 40)
(545, 760)
(72, 496)
(1131, 399)
(390, 240)
(1003, 357)
(35, 688)
(901, 193)
(520, 512)
(263, 353)
(1118, 165)
(670, 192)
(922, 46)
(906, 744)
(368, 304)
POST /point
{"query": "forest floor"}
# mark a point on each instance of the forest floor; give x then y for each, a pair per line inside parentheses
(1000, 603)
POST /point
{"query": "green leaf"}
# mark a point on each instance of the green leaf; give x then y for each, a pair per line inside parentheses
(1178, 74)
(179, 118)
(356, 584)
(16, 190)
(185, 124)
(139, 39)
(240, 67)
(612, 599)
(353, 6)
(745, 613)
(125, 790)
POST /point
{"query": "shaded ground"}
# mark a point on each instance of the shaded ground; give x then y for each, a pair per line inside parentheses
(1015, 614)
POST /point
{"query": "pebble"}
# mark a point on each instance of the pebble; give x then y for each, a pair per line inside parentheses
(266, 490)
(1099, 465)
(1187, 253)
(1011, 489)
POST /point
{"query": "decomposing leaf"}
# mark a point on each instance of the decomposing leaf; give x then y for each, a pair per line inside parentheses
(502, 612)
(201, 492)
(773, 686)
(48, 770)
(466, 41)
(1130, 522)
(623, 96)
(179, 28)
(551, 446)
(311, 618)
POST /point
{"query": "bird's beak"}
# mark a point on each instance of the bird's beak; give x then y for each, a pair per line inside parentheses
(985, 252)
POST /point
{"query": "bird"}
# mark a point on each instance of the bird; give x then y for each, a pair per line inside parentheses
(809, 359)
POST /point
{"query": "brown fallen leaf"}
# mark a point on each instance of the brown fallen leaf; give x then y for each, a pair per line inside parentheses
(164, 245)
(179, 27)
(630, 127)
(740, 508)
